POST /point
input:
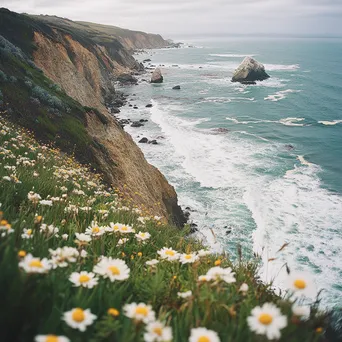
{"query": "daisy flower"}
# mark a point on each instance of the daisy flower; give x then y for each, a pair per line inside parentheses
(243, 288)
(203, 253)
(168, 254)
(303, 312)
(114, 269)
(122, 241)
(123, 229)
(267, 320)
(204, 278)
(152, 262)
(28, 234)
(34, 265)
(139, 312)
(157, 332)
(60, 257)
(51, 338)
(203, 335)
(79, 319)
(113, 227)
(82, 239)
(186, 294)
(142, 236)
(33, 197)
(46, 202)
(95, 230)
(84, 279)
(301, 284)
(188, 258)
(219, 273)
(6, 228)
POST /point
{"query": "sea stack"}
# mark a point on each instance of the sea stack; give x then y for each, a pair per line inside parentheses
(157, 76)
(250, 71)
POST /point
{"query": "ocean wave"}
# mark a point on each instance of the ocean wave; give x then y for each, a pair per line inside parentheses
(330, 123)
(281, 67)
(280, 95)
(251, 134)
(284, 121)
(292, 121)
(303, 161)
(227, 99)
(230, 55)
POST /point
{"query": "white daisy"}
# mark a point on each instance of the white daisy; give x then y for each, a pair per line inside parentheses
(157, 332)
(51, 338)
(203, 253)
(125, 229)
(139, 312)
(95, 230)
(84, 279)
(113, 227)
(82, 238)
(49, 230)
(219, 273)
(114, 269)
(168, 254)
(65, 236)
(243, 288)
(303, 312)
(122, 241)
(301, 284)
(28, 234)
(46, 202)
(142, 236)
(34, 265)
(188, 258)
(186, 294)
(152, 262)
(60, 257)
(204, 278)
(33, 197)
(78, 318)
(203, 335)
(267, 320)
(83, 253)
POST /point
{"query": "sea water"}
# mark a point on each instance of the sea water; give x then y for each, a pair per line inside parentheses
(260, 165)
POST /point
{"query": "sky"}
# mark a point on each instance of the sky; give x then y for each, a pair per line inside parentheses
(186, 18)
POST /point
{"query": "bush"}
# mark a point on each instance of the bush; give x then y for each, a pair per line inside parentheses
(8, 48)
(35, 101)
(13, 79)
(48, 99)
(3, 77)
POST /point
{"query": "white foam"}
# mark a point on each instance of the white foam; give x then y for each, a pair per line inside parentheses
(251, 134)
(304, 161)
(330, 123)
(230, 55)
(292, 121)
(227, 99)
(284, 121)
(281, 67)
(280, 95)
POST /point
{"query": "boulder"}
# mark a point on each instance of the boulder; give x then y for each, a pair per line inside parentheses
(154, 142)
(149, 105)
(115, 110)
(157, 76)
(146, 60)
(250, 71)
(143, 140)
(177, 87)
(127, 78)
(137, 124)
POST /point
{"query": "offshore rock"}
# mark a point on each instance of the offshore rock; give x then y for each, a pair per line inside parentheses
(157, 76)
(250, 71)
(177, 87)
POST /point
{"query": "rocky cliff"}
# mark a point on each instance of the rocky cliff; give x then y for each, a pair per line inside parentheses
(82, 67)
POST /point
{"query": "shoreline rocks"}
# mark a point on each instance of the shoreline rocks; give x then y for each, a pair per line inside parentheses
(250, 71)
(157, 76)
(127, 79)
(177, 87)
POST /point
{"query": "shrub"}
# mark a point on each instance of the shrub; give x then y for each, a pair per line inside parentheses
(35, 101)
(48, 99)
(3, 77)
(13, 79)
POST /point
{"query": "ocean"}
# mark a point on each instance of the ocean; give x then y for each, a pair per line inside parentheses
(259, 165)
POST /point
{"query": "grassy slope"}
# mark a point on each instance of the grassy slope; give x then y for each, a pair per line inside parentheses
(34, 303)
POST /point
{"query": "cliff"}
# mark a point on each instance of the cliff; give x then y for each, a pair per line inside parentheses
(56, 82)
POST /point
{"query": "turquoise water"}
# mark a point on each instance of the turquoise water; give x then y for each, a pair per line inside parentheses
(245, 175)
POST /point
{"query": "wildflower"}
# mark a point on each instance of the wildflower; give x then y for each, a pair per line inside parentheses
(51, 338)
(267, 320)
(186, 294)
(83, 253)
(243, 288)
(113, 312)
(49, 230)
(28, 234)
(168, 254)
(61, 256)
(126, 229)
(95, 230)
(65, 237)
(33, 197)
(79, 319)
(152, 262)
(203, 252)
(114, 269)
(301, 284)
(34, 265)
(82, 239)
(84, 279)
(122, 241)
(5, 227)
(219, 273)
(204, 278)
(35, 174)
(302, 312)
(38, 219)
(46, 202)
(142, 236)
(157, 332)
(139, 254)
(21, 254)
(6, 178)
(113, 227)
(217, 262)
(139, 312)
(64, 188)
(188, 258)
(203, 335)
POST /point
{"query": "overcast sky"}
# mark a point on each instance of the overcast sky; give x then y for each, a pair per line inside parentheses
(175, 18)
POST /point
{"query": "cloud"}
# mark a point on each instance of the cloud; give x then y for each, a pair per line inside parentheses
(196, 17)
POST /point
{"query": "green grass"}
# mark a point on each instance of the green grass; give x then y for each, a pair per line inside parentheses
(34, 304)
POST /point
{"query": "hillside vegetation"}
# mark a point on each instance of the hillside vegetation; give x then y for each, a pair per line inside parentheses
(78, 260)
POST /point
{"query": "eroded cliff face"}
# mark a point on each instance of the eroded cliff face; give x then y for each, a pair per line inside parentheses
(86, 74)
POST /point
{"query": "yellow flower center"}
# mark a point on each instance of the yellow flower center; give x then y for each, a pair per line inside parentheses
(114, 270)
(158, 331)
(95, 230)
(142, 234)
(203, 339)
(51, 338)
(36, 263)
(188, 256)
(124, 228)
(140, 310)
(29, 232)
(78, 315)
(169, 252)
(265, 319)
(3, 222)
(300, 284)
(84, 279)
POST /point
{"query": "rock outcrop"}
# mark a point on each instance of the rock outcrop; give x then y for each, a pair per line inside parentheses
(250, 71)
(157, 76)
(126, 78)
(177, 87)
